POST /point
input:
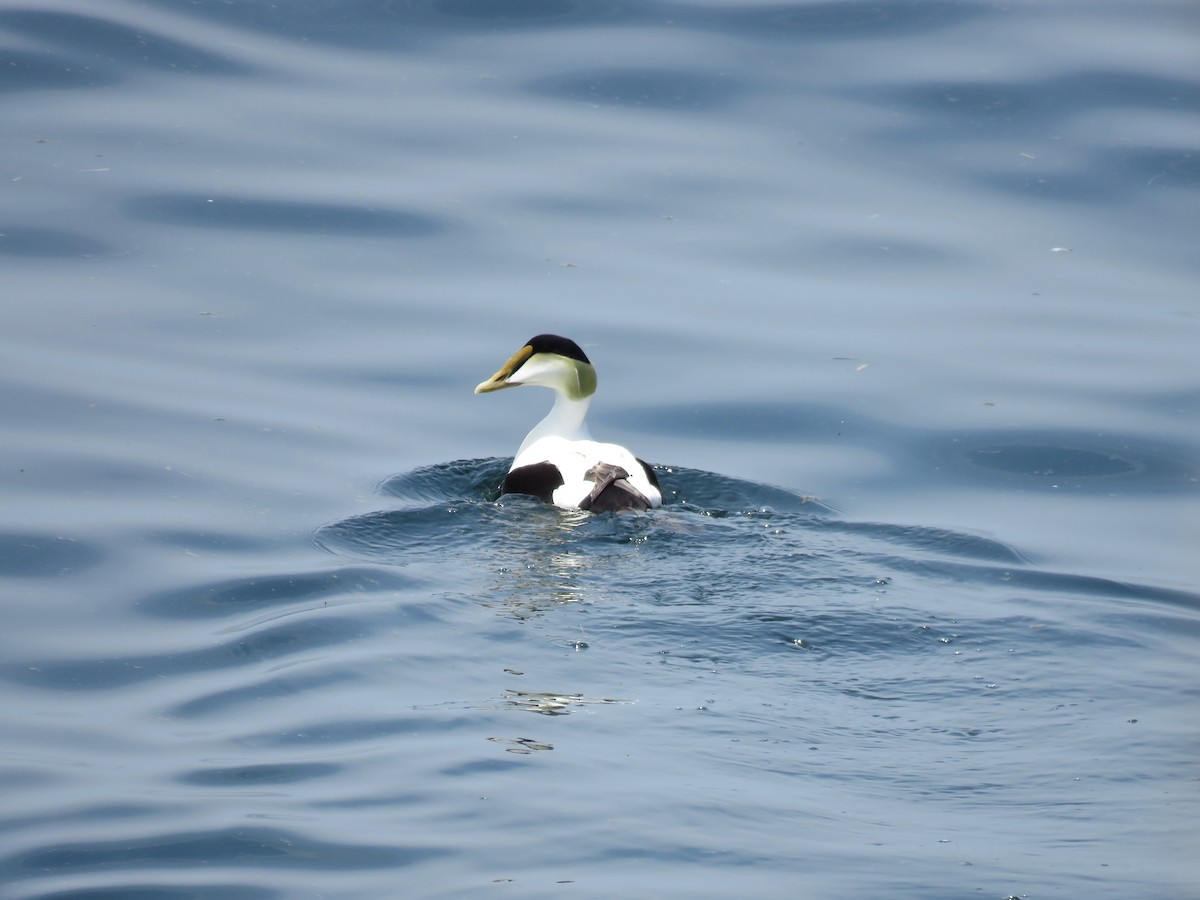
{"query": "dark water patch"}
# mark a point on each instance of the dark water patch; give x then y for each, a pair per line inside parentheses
(457, 481)
(1017, 580)
(1110, 88)
(402, 24)
(250, 847)
(258, 775)
(823, 21)
(975, 105)
(796, 576)
(722, 495)
(394, 25)
(1051, 462)
(867, 253)
(356, 731)
(145, 891)
(1156, 167)
(95, 39)
(653, 89)
(283, 640)
(983, 104)
(375, 800)
(935, 540)
(241, 595)
(52, 243)
(1046, 458)
(1181, 402)
(487, 766)
(753, 421)
(1063, 460)
(100, 812)
(748, 637)
(32, 555)
(856, 19)
(1147, 623)
(522, 13)
(229, 704)
(1109, 174)
(24, 71)
(282, 216)
(359, 376)
(93, 474)
(83, 402)
(397, 537)
(209, 541)
(583, 206)
(265, 645)
(15, 776)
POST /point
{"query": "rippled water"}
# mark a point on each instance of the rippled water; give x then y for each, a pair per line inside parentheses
(899, 297)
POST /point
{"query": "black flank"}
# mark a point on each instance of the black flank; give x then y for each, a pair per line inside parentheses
(540, 480)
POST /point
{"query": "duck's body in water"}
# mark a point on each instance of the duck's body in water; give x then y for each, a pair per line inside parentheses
(558, 461)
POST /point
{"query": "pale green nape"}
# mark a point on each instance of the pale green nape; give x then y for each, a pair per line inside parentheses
(585, 384)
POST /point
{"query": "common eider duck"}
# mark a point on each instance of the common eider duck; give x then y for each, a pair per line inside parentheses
(558, 461)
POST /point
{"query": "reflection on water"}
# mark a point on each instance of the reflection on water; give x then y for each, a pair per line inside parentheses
(548, 704)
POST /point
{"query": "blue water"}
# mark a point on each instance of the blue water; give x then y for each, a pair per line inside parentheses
(898, 297)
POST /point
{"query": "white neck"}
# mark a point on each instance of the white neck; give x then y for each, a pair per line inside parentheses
(565, 420)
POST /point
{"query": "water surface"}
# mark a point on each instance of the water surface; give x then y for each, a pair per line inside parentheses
(898, 297)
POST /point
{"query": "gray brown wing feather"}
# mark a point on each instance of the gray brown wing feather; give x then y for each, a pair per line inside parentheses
(612, 491)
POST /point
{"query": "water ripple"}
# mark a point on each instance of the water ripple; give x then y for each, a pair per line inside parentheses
(441, 691)
(281, 216)
(33, 555)
(26, 71)
(780, 534)
(105, 674)
(257, 775)
(55, 243)
(238, 596)
(1005, 105)
(653, 89)
(247, 846)
(144, 891)
(1050, 458)
(120, 46)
